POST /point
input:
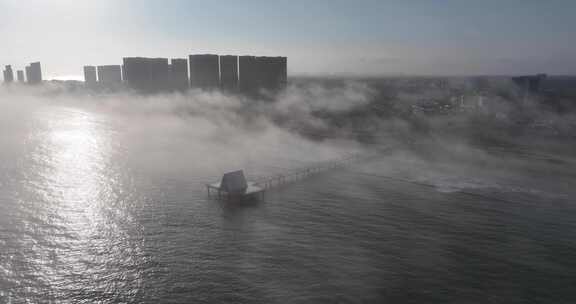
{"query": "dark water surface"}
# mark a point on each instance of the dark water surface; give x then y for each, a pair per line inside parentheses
(95, 210)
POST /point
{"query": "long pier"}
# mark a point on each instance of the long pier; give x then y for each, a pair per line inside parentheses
(277, 180)
(235, 185)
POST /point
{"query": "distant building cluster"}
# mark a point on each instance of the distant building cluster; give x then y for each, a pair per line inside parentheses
(249, 75)
(152, 75)
(33, 74)
(245, 74)
(8, 74)
(530, 83)
(230, 73)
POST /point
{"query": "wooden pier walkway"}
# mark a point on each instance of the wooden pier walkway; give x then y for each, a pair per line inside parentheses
(234, 184)
(302, 173)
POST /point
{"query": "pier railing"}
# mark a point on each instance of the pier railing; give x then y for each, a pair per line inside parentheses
(259, 185)
(276, 180)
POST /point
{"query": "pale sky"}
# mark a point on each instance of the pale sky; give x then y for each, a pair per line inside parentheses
(320, 37)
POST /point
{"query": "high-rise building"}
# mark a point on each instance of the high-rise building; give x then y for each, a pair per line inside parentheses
(248, 79)
(272, 73)
(179, 74)
(247, 74)
(531, 83)
(90, 76)
(204, 71)
(20, 75)
(229, 72)
(137, 73)
(154, 75)
(28, 73)
(266, 73)
(262, 74)
(283, 70)
(159, 74)
(109, 75)
(34, 73)
(8, 74)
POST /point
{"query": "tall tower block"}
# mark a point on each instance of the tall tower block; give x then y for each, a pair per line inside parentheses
(229, 73)
(204, 71)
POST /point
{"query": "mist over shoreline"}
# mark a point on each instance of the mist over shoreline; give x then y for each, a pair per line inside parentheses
(363, 110)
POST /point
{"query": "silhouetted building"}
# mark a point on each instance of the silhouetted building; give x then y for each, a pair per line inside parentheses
(247, 74)
(558, 93)
(109, 75)
(154, 75)
(204, 71)
(262, 73)
(271, 73)
(179, 74)
(532, 84)
(20, 75)
(159, 74)
(229, 73)
(34, 73)
(137, 74)
(90, 76)
(283, 70)
(249, 77)
(28, 73)
(8, 74)
(560, 86)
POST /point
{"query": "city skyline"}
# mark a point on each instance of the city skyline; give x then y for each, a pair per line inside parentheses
(321, 37)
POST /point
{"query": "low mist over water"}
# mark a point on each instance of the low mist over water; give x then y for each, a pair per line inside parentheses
(102, 197)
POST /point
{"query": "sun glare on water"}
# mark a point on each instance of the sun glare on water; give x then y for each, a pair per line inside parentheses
(79, 191)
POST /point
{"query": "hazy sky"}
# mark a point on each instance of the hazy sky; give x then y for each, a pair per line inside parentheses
(453, 37)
